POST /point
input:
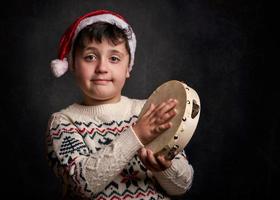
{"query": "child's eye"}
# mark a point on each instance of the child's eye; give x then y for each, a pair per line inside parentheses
(90, 57)
(114, 59)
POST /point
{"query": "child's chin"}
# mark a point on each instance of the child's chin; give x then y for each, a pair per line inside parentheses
(107, 98)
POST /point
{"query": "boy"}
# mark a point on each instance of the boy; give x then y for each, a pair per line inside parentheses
(97, 146)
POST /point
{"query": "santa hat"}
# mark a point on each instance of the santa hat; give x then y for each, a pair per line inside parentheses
(60, 66)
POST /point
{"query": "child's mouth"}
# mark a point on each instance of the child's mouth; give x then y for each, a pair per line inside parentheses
(101, 81)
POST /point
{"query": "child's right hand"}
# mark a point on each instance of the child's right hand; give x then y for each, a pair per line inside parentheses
(155, 121)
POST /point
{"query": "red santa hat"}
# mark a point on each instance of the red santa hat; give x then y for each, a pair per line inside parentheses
(60, 66)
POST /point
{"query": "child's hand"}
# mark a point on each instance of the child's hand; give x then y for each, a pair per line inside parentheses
(152, 163)
(155, 121)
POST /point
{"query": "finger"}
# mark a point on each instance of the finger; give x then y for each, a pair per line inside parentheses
(150, 167)
(163, 127)
(162, 162)
(152, 117)
(142, 153)
(143, 156)
(150, 110)
(139, 151)
(163, 104)
(151, 160)
(167, 117)
(168, 107)
(155, 115)
(157, 108)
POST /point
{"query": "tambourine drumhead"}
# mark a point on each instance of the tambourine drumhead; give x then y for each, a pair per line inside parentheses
(173, 140)
(163, 93)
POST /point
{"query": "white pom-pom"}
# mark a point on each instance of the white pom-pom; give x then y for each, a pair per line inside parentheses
(59, 67)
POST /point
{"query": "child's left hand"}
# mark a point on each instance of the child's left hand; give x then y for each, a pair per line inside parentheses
(152, 163)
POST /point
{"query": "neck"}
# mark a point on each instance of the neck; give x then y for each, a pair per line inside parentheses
(95, 102)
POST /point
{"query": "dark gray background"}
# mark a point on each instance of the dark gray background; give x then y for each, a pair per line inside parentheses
(215, 46)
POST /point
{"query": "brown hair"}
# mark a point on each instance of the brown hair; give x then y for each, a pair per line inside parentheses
(98, 31)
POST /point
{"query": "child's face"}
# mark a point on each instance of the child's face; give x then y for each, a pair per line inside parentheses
(101, 70)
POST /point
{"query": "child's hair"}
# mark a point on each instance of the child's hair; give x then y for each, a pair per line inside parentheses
(95, 25)
(99, 31)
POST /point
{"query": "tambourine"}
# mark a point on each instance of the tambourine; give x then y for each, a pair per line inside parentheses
(174, 140)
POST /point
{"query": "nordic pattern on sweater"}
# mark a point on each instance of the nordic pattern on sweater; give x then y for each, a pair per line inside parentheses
(95, 153)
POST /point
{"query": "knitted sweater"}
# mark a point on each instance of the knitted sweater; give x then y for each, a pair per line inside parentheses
(93, 149)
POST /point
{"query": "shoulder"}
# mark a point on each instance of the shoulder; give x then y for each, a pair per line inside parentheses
(59, 117)
(136, 104)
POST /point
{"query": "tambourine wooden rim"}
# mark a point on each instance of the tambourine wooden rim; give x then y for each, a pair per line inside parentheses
(175, 139)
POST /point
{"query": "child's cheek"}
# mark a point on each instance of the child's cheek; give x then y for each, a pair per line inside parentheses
(84, 71)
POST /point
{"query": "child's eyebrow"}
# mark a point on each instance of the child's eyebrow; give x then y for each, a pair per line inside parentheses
(112, 51)
(90, 48)
(116, 51)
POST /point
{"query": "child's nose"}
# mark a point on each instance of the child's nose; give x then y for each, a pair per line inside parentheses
(101, 67)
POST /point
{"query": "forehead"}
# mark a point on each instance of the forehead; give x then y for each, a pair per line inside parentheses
(104, 44)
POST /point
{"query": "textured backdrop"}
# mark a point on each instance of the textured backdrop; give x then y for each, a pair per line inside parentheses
(214, 46)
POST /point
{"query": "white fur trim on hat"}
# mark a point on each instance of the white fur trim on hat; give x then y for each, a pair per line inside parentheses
(111, 19)
(59, 67)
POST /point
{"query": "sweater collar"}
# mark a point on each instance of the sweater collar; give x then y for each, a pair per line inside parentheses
(107, 112)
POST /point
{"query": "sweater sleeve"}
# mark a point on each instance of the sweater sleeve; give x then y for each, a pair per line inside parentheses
(88, 173)
(177, 179)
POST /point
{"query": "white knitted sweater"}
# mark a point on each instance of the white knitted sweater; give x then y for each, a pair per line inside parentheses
(93, 149)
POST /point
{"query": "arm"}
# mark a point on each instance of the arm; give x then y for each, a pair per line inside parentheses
(174, 176)
(176, 179)
(90, 173)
